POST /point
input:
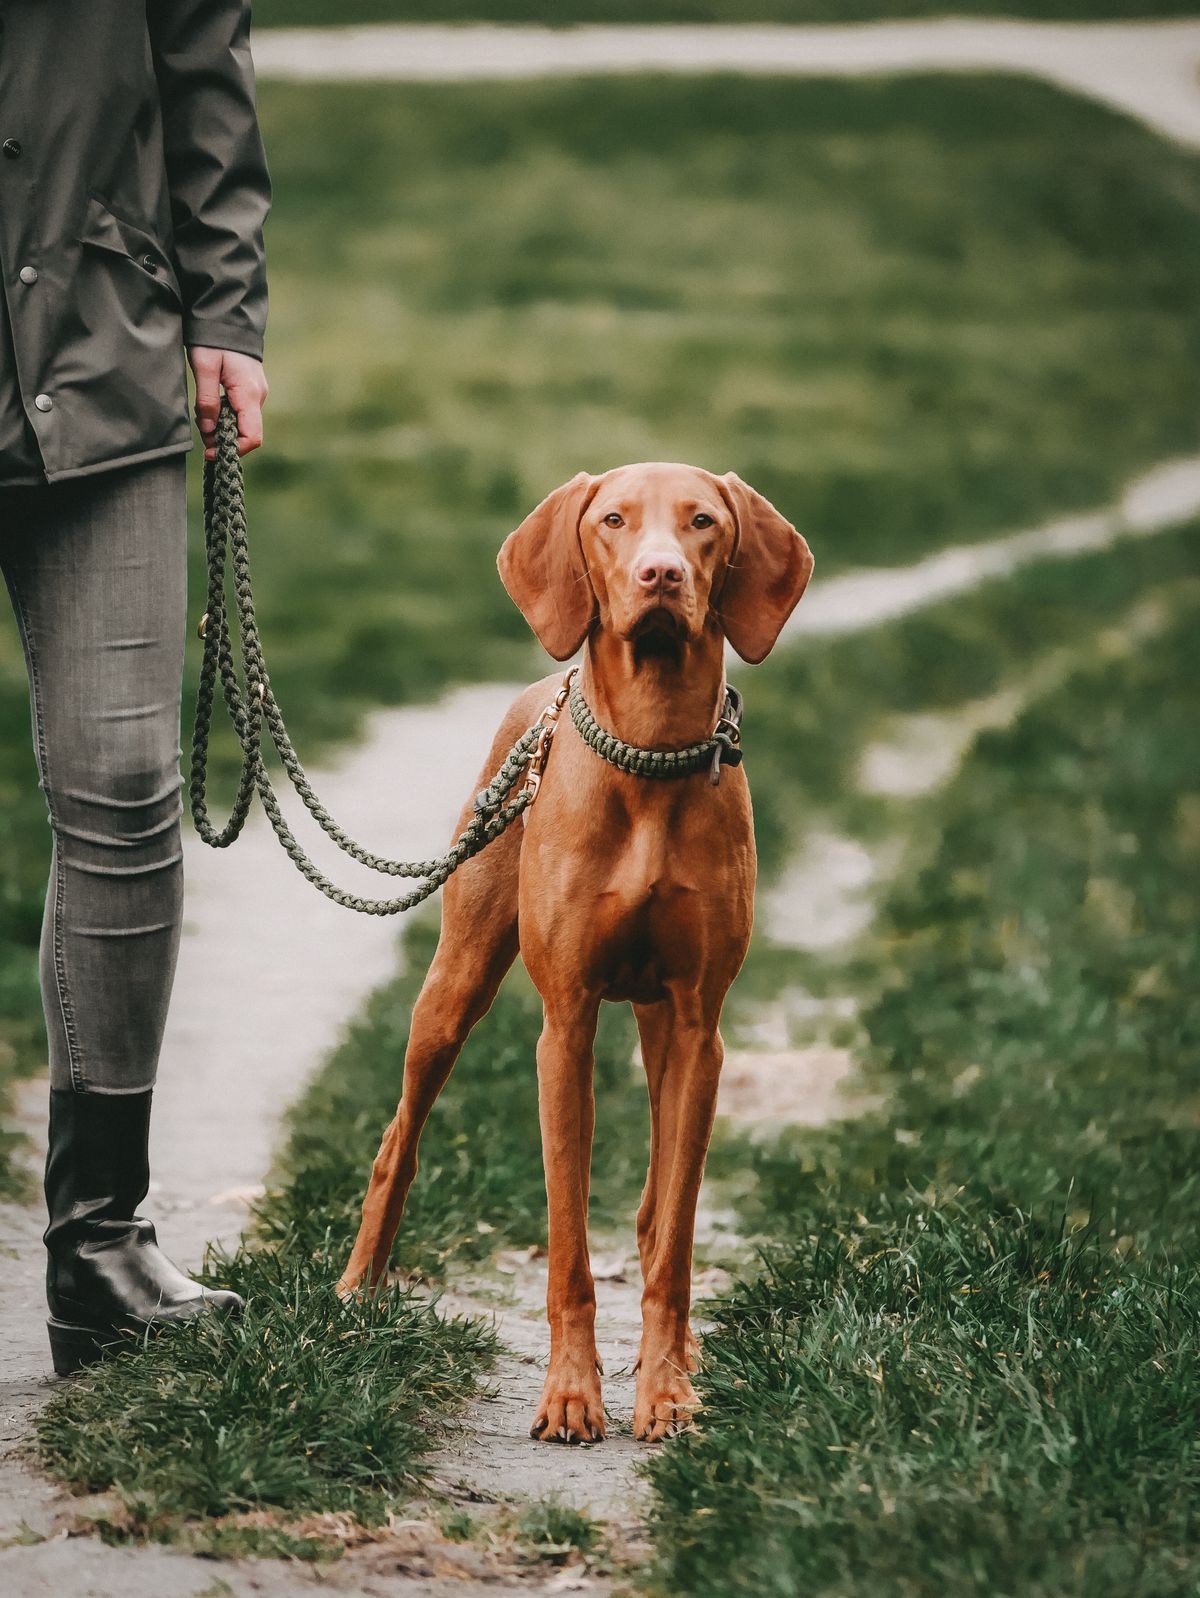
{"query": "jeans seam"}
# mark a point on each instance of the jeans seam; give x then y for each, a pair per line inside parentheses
(66, 1009)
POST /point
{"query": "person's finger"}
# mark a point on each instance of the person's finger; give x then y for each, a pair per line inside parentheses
(246, 386)
(247, 394)
(250, 424)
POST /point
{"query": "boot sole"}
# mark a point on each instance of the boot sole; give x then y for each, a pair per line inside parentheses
(74, 1345)
(73, 1348)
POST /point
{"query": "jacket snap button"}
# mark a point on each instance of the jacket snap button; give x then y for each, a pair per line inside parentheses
(28, 274)
(11, 148)
(43, 402)
(149, 263)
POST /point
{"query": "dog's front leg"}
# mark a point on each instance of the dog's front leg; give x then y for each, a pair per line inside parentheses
(666, 1399)
(571, 1408)
(478, 944)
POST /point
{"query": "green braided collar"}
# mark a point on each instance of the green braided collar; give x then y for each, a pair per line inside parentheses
(722, 749)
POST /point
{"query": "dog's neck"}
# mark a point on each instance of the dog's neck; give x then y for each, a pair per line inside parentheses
(654, 693)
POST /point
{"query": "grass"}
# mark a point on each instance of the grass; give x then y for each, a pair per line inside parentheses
(966, 304)
(932, 1401)
(311, 13)
(969, 1361)
(543, 1531)
(554, 1532)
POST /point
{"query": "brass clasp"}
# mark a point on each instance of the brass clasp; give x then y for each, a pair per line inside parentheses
(541, 749)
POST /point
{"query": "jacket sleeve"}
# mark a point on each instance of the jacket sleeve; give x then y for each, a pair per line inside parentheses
(216, 168)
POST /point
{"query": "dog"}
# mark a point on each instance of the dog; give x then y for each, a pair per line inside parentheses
(617, 888)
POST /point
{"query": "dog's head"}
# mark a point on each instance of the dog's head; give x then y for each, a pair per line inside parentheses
(656, 552)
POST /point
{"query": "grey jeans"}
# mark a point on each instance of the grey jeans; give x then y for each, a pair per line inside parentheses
(96, 569)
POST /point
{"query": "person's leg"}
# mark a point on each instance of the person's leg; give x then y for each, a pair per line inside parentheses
(97, 577)
(96, 571)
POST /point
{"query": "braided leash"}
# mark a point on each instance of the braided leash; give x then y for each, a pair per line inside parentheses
(251, 706)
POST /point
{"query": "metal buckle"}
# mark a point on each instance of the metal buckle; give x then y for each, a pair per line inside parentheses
(541, 749)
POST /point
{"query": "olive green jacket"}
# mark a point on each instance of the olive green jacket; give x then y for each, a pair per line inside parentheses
(133, 190)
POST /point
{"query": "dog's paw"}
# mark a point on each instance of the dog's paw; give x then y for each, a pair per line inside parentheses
(664, 1407)
(570, 1411)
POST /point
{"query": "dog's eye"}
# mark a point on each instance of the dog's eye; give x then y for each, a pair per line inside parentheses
(702, 519)
(613, 520)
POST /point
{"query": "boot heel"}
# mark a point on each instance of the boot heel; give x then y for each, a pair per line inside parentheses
(74, 1347)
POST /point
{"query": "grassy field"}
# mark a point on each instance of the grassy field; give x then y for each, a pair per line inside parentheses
(944, 322)
(969, 1362)
(311, 13)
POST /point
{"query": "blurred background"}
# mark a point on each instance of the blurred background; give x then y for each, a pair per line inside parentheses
(921, 312)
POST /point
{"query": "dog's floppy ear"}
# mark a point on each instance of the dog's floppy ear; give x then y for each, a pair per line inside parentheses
(542, 566)
(767, 573)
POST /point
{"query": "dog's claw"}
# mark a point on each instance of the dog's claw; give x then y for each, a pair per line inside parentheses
(569, 1413)
(667, 1415)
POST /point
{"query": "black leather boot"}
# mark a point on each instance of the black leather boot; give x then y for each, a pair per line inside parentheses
(106, 1273)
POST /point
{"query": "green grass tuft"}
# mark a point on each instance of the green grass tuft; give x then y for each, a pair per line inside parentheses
(459, 1526)
(303, 1404)
(553, 1531)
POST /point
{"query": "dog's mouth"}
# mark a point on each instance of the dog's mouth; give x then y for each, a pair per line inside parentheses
(658, 634)
(660, 621)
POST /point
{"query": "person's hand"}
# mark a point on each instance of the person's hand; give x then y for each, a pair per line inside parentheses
(244, 381)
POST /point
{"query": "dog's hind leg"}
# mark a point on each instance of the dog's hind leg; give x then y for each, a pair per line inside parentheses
(654, 1031)
(477, 946)
(685, 1112)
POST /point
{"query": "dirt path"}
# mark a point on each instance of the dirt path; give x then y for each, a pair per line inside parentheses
(496, 1458)
(269, 974)
(1146, 69)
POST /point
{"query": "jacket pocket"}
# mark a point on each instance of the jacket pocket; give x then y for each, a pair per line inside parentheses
(104, 230)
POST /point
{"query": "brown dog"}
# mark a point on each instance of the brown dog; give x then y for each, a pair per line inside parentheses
(618, 888)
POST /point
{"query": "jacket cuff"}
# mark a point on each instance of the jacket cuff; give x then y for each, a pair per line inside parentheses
(217, 335)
